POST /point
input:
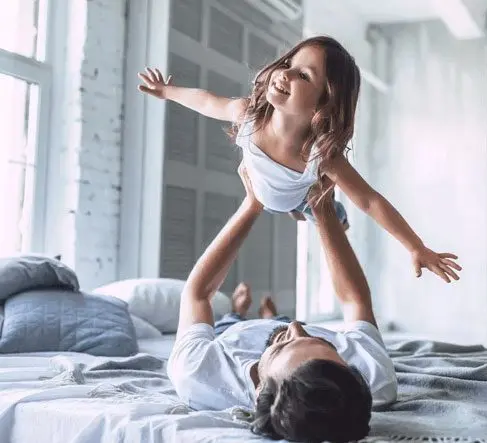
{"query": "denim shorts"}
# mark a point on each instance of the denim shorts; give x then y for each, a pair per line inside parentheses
(305, 209)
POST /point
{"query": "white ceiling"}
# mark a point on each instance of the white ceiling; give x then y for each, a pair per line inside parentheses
(387, 11)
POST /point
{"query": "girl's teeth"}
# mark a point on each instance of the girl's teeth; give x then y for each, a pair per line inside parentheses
(281, 90)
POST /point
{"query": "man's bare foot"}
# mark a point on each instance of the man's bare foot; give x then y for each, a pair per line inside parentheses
(241, 299)
(267, 308)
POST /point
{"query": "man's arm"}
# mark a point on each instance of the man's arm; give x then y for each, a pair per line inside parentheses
(211, 269)
(347, 275)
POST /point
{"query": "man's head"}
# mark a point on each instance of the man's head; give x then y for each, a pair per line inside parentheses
(307, 392)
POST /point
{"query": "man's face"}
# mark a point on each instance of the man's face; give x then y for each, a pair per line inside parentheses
(289, 347)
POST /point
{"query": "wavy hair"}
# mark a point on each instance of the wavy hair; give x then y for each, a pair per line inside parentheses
(332, 126)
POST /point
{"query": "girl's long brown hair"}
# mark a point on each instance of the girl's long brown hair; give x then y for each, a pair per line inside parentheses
(332, 126)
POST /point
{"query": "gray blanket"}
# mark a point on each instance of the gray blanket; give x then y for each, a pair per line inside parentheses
(442, 393)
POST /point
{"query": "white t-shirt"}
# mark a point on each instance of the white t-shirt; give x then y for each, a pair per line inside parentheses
(277, 187)
(213, 373)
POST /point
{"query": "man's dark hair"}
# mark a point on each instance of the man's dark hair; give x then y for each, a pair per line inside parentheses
(321, 400)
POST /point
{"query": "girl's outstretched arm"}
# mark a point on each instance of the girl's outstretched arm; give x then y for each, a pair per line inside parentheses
(379, 208)
(199, 100)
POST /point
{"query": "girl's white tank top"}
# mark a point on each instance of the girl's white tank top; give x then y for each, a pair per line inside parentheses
(277, 187)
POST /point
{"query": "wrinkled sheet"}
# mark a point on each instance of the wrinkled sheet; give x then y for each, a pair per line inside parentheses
(79, 398)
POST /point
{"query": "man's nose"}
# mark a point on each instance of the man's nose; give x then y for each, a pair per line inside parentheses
(295, 330)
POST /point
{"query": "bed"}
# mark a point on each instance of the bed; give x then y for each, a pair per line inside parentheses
(78, 398)
(92, 394)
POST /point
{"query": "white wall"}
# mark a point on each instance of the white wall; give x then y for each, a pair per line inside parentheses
(334, 19)
(350, 30)
(428, 155)
(85, 143)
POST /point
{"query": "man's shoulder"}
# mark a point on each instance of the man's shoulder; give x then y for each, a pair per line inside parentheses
(364, 329)
(204, 373)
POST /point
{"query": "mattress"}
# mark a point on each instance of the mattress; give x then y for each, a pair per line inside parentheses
(132, 400)
(33, 409)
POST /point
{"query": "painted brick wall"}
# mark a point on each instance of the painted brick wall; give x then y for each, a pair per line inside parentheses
(88, 207)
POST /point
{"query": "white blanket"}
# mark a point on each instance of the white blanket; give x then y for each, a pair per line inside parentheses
(37, 405)
(78, 398)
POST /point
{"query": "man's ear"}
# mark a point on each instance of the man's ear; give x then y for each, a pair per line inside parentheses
(258, 389)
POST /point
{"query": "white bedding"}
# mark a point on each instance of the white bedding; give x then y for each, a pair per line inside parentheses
(159, 347)
(34, 407)
(32, 410)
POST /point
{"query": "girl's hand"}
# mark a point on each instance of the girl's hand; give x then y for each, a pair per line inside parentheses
(154, 83)
(441, 264)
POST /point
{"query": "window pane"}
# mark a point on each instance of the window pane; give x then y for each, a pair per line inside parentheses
(23, 27)
(320, 293)
(18, 130)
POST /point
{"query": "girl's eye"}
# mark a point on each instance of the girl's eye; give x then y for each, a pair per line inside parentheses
(304, 76)
(285, 64)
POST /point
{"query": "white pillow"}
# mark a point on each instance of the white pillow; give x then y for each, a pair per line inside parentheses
(156, 300)
(144, 329)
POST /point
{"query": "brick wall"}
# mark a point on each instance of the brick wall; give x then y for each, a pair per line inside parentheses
(88, 206)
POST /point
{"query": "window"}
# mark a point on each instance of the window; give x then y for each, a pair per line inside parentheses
(25, 79)
(315, 297)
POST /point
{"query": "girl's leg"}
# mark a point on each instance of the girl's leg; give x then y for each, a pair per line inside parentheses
(339, 208)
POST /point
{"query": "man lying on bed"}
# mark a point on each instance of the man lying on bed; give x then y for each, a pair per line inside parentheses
(305, 383)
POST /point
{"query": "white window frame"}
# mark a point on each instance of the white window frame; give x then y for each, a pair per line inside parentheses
(39, 73)
(311, 261)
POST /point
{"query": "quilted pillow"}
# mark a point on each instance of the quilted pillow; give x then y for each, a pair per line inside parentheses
(59, 321)
(26, 272)
(156, 300)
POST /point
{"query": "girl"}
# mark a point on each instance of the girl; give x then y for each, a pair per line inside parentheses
(294, 129)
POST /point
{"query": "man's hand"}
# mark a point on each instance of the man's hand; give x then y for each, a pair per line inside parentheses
(155, 84)
(250, 197)
(296, 215)
(321, 204)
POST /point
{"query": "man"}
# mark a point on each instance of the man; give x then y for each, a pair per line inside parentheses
(305, 383)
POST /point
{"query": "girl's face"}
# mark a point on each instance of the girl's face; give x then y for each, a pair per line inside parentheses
(296, 87)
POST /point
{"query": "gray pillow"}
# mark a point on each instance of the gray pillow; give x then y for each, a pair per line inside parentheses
(58, 320)
(25, 272)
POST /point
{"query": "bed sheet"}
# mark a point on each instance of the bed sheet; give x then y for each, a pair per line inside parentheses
(34, 408)
(78, 398)
(160, 347)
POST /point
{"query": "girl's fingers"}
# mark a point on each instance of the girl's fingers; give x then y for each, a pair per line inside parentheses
(448, 271)
(169, 80)
(159, 76)
(417, 269)
(145, 79)
(448, 255)
(151, 75)
(451, 263)
(147, 90)
(439, 272)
